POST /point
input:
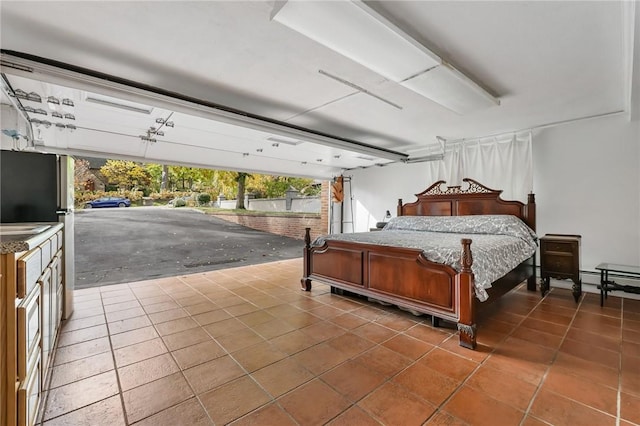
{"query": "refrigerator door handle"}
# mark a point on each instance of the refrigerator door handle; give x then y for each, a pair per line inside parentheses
(63, 211)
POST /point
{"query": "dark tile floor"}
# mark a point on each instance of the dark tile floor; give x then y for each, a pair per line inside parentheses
(246, 346)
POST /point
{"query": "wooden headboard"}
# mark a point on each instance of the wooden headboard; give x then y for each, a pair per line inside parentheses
(476, 199)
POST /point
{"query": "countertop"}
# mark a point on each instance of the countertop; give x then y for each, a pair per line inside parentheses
(24, 242)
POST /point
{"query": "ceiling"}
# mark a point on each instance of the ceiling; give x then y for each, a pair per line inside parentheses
(547, 62)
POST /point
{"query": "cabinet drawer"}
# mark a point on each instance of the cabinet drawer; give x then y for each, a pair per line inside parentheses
(564, 247)
(29, 269)
(46, 292)
(559, 263)
(29, 397)
(59, 306)
(56, 267)
(28, 313)
(46, 253)
(59, 235)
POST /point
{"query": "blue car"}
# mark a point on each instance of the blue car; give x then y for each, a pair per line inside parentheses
(108, 202)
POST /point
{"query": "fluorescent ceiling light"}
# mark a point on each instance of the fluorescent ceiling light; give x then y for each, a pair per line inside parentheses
(356, 31)
(284, 141)
(359, 33)
(452, 89)
(117, 103)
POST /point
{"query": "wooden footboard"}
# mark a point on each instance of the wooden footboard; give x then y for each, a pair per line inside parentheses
(400, 276)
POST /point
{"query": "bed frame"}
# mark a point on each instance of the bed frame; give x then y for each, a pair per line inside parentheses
(404, 277)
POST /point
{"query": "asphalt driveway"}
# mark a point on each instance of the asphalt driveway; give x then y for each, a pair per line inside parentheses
(117, 245)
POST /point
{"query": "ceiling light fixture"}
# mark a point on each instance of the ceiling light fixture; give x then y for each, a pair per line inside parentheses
(109, 103)
(169, 124)
(160, 120)
(286, 142)
(68, 102)
(368, 38)
(56, 114)
(69, 116)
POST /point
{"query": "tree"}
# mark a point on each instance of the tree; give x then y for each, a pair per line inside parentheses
(224, 183)
(241, 179)
(126, 174)
(276, 186)
(81, 174)
(164, 178)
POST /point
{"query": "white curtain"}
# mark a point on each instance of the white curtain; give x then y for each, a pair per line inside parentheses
(501, 162)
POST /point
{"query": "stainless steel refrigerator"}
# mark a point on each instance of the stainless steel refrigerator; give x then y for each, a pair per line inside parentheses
(37, 187)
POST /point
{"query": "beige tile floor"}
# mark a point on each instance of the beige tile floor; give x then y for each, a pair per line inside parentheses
(246, 346)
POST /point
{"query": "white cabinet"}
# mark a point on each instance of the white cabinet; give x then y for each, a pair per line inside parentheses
(31, 310)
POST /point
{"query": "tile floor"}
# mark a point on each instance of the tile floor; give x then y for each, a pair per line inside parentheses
(246, 346)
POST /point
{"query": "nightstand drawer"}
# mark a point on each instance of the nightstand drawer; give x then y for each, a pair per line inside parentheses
(559, 263)
(568, 247)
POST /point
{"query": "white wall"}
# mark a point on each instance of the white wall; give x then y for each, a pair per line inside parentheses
(377, 189)
(586, 181)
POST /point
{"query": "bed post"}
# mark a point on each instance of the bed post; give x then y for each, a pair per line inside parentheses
(531, 221)
(400, 207)
(466, 322)
(531, 211)
(305, 282)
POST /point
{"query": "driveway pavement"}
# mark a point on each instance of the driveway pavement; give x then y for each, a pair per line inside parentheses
(132, 244)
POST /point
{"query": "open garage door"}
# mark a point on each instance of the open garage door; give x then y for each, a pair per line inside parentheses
(79, 111)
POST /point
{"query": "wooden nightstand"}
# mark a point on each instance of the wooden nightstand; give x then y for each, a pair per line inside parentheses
(560, 259)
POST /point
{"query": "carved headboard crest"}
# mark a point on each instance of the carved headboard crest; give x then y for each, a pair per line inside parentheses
(471, 198)
(473, 188)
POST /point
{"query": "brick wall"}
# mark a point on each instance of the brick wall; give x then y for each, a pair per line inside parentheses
(290, 225)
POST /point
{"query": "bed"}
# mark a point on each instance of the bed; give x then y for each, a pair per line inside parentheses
(378, 268)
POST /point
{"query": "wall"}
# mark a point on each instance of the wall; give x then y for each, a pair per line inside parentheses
(304, 205)
(376, 190)
(586, 181)
(292, 225)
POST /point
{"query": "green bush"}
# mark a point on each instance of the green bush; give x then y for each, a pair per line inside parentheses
(204, 198)
(179, 203)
